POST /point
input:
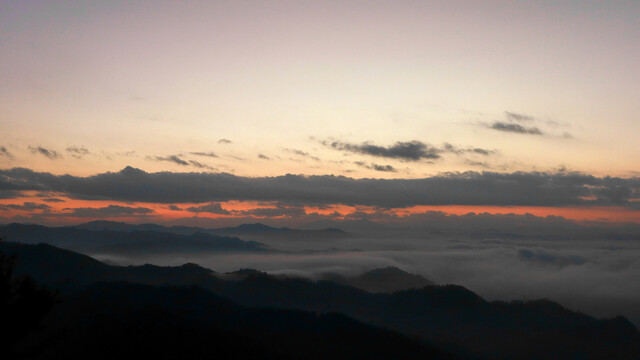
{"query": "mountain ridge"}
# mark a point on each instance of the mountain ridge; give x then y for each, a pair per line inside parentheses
(449, 315)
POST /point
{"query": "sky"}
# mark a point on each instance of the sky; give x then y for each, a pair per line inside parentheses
(218, 112)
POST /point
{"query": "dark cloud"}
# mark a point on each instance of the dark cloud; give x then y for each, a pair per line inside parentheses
(26, 206)
(108, 211)
(372, 166)
(512, 116)
(515, 128)
(407, 151)
(208, 154)
(224, 141)
(404, 150)
(9, 194)
(212, 208)
(51, 154)
(175, 208)
(4, 152)
(53, 200)
(263, 157)
(469, 188)
(77, 152)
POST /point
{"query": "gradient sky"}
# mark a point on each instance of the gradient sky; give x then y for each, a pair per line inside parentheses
(363, 89)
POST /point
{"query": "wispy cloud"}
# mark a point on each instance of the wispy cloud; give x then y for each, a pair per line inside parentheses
(513, 116)
(177, 160)
(301, 153)
(4, 152)
(201, 165)
(208, 154)
(51, 154)
(467, 150)
(171, 158)
(77, 152)
(376, 167)
(515, 128)
(518, 123)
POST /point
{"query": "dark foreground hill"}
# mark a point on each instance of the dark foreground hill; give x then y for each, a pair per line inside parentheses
(448, 316)
(123, 320)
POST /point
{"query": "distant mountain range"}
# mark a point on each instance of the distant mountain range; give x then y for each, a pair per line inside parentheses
(257, 229)
(449, 316)
(142, 240)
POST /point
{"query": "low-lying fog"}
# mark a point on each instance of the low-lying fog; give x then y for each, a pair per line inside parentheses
(598, 277)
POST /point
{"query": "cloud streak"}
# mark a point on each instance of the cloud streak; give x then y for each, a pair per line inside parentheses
(51, 154)
(302, 154)
(518, 123)
(512, 116)
(77, 152)
(376, 167)
(207, 154)
(515, 128)
(403, 150)
(413, 150)
(177, 160)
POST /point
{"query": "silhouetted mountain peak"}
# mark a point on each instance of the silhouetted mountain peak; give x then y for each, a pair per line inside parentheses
(385, 271)
(255, 227)
(192, 266)
(248, 272)
(385, 280)
(448, 295)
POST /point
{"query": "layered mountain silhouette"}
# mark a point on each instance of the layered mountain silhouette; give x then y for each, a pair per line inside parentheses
(131, 241)
(245, 230)
(383, 280)
(448, 316)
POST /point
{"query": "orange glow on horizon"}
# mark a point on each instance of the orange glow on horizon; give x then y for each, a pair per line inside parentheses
(62, 211)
